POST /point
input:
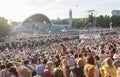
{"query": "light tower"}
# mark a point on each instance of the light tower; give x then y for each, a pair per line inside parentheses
(70, 18)
(90, 24)
(91, 19)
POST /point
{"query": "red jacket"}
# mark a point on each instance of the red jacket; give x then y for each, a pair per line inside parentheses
(47, 72)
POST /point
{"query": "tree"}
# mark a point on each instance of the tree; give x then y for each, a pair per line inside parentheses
(115, 21)
(4, 27)
(77, 23)
(61, 21)
(103, 21)
(14, 23)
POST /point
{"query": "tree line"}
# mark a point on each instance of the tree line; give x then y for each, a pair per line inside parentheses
(100, 21)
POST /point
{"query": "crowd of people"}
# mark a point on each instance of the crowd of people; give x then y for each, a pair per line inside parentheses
(61, 55)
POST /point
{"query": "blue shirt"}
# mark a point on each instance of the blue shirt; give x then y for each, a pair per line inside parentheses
(40, 69)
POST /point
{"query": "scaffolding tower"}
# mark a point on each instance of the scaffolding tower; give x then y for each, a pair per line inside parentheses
(89, 24)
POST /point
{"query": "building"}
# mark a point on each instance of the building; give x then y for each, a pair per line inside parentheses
(70, 18)
(116, 12)
(38, 24)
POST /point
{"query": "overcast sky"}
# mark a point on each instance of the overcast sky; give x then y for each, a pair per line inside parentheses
(19, 10)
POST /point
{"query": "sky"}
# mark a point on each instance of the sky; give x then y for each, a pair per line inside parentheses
(19, 10)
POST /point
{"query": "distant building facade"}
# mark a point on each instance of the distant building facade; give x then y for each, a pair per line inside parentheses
(116, 12)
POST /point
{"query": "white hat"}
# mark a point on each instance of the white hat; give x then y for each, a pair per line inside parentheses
(116, 56)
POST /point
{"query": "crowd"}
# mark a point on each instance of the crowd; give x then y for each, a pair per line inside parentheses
(62, 55)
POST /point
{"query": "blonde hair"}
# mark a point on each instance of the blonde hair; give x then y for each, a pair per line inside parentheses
(80, 62)
(49, 64)
(26, 72)
(64, 63)
(37, 76)
(57, 72)
(89, 70)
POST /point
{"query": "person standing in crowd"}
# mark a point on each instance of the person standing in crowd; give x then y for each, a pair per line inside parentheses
(78, 71)
(5, 72)
(25, 71)
(31, 67)
(65, 67)
(13, 72)
(91, 66)
(64, 49)
(107, 69)
(90, 71)
(116, 64)
(102, 55)
(48, 69)
(71, 60)
(57, 72)
(40, 68)
(1, 68)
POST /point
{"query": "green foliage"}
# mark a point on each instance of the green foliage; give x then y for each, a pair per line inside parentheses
(101, 21)
(14, 23)
(65, 21)
(77, 23)
(116, 21)
(4, 27)
(61, 21)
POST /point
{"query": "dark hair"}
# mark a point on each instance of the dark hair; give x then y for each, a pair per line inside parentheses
(26, 62)
(45, 61)
(14, 71)
(9, 65)
(102, 51)
(85, 54)
(76, 55)
(97, 57)
(61, 44)
(80, 55)
(89, 51)
(90, 60)
(34, 61)
(109, 62)
(2, 66)
(116, 63)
